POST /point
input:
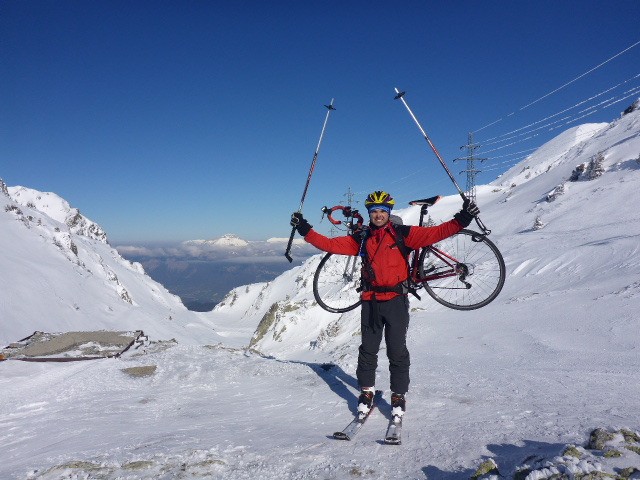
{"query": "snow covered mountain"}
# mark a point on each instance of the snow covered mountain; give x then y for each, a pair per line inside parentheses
(59, 273)
(522, 382)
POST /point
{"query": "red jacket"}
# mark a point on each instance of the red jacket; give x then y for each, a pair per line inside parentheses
(387, 261)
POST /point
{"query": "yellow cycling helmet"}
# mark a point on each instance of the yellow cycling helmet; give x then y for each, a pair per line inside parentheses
(379, 200)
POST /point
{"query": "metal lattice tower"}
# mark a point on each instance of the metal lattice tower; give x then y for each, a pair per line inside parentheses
(349, 196)
(471, 170)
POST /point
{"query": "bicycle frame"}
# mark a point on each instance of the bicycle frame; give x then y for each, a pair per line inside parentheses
(455, 265)
(457, 269)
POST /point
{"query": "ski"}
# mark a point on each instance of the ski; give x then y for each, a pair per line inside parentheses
(356, 424)
(394, 431)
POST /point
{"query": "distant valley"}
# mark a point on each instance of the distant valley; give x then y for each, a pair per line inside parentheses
(202, 283)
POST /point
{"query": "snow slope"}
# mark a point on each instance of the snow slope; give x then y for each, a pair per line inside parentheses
(60, 274)
(518, 381)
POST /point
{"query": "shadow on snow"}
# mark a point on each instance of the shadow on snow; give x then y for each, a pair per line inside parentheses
(507, 457)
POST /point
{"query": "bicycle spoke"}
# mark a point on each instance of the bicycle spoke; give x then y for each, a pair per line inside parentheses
(461, 273)
(335, 282)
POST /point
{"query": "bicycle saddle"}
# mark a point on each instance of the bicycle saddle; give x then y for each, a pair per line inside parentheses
(426, 201)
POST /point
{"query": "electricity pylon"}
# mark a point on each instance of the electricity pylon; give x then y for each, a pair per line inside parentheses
(471, 167)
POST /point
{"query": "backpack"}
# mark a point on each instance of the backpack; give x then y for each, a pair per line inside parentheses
(398, 232)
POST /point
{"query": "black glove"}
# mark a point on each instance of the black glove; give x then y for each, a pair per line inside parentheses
(470, 207)
(468, 212)
(301, 225)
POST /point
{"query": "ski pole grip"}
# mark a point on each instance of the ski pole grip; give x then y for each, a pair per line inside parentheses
(287, 253)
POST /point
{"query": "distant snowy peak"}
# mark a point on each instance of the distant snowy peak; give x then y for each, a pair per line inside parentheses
(549, 155)
(226, 241)
(59, 210)
(230, 241)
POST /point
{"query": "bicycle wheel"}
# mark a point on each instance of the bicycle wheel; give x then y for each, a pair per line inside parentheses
(464, 272)
(335, 282)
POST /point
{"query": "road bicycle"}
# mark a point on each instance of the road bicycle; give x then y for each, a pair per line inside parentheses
(465, 271)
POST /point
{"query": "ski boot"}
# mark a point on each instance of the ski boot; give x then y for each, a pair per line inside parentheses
(398, 404)
(365, 401)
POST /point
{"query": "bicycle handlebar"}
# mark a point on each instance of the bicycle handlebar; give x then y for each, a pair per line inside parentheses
(347, 212)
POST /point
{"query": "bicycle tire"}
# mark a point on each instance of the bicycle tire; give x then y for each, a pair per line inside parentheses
(335, 282)
(478, 256)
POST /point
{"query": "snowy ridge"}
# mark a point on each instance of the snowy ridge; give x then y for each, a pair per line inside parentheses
(550, 155)
(58, 209)
(60, 274)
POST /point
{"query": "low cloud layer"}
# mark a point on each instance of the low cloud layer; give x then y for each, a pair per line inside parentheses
(202, 272)
(214, 250)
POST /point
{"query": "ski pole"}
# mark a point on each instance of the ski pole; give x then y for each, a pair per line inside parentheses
(400, 96)
(306, 187)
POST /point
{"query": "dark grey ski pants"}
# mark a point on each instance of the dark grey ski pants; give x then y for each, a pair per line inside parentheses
(392, 319)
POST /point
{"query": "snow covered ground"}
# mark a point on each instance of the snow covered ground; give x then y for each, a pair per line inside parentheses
(519, 381)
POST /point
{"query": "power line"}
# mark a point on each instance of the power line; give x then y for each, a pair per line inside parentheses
(566, 109)
(612, 101)
(498, 166)
(563, 86)
(517, 134)
(516, 153)
(580, 76)
(565, 121)
(580, 114)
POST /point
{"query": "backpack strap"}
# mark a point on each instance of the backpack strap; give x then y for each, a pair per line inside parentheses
(361, 237)
(399, 234)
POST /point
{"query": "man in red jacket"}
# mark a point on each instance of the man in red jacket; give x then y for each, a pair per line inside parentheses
(385, 304)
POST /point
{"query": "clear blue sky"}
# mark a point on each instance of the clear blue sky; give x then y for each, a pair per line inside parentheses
(167, 121)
